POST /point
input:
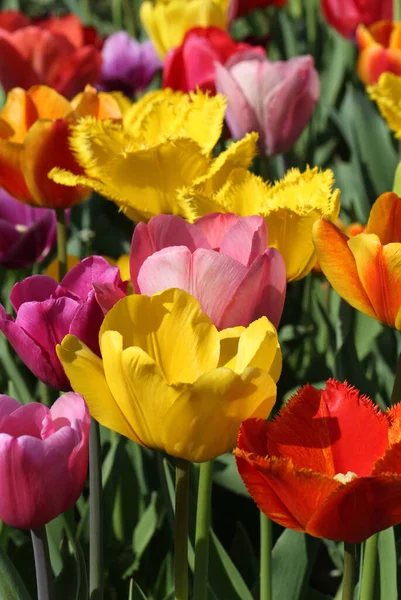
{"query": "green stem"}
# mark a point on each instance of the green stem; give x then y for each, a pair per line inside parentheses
(369, 568)
(396, 391)
(61, 243)
(44, 575)
(181, 529)
(396, 10)
(266, 547)
(116, 14)
(203, 513)
(95, 515)
(349, 572)
(14, 374)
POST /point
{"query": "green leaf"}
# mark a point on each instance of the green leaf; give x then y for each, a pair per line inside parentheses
(387, 565)
(11, 584)
(294, 555)
(397, 180)
(135, 592)
(224, 577)
(145, 529)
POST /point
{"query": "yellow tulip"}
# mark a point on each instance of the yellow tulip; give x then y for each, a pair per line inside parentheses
(290, 207)
(167, 21)
(387, 95)
(163, 144)
(169, 380)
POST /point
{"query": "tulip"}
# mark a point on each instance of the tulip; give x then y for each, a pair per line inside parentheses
(221, 259)
(53, 51)
(275, 99)
(47, 311)
(34, 130)
(328, 465)
(143, 167)
(387, 94)
(43, 459)
(365, 270)
(379, 50)
(187, 399)
(290, 207)
(167, 21)
(346, 16)
(240, 8)
(127, 64)
(27, 234)
(192, 64)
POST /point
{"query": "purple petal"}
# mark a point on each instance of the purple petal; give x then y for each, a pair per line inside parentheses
(36, 288)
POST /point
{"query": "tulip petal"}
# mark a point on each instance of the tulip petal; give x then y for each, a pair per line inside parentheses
(193, 424)
(215, 227)
(20, 113)
(7, 406)
(379, 270)
(246, 240)
(15, 69)
(258, 347)
(80, 279)
(151, 324)
(73, 71)
(85, 371)
(11, 177)
(36, 288)
(49, 104)
(338, 264)
(370, 504)
(385, 218)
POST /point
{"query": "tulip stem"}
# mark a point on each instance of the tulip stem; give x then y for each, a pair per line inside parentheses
(95, 514)
(61, 243)
(181, 529)
(349, 572)
(396, 391)
(44, 575)
(203, 513)
(396, 10)
(266, 547)
(369, 568)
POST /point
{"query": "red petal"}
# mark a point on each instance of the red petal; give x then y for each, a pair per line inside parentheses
(385, 218)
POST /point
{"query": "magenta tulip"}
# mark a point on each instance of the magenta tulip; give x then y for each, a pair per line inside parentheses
(47, 311)
(275, 99)
(27, 234)
(43, 459)
(221, 259)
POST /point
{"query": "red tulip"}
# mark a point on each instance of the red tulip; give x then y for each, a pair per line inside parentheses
(58, 52)
(192, 64)
(346, 15)
(328, 465)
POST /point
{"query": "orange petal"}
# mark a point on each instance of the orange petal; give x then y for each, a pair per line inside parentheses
(46, 146)
(364, 37)
(19, 112)
(49, 103)
(359, 509)
(97, 104)
(395, 37)
(379, 270)
(381, 32)
(394, 60)
(394, 416)
(316, 430)
(385, 218)
(390, 462)
(372, 62)
(338, 264)
(11, 177)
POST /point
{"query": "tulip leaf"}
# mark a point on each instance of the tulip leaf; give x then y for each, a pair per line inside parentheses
(397, 180)
(145, 529)
(135, 592)
(224, 577)
(11, 584)
(294, 555)
(387, 565)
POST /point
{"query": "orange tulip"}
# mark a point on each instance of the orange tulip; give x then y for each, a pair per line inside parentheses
(366, 269)
(34, 131)
(328, 465)
(379, 50)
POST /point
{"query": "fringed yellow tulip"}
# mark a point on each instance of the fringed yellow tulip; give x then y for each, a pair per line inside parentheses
(167, 21)
(163, 144)
(290, 207)
(366, 269)
(387, 95)
(168, 380)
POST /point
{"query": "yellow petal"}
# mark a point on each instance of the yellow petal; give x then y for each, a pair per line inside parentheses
(229, 339)
(203, 422)
(204, 121)
(154, 323)
(85, 371)
(387, 94)
(258, 347)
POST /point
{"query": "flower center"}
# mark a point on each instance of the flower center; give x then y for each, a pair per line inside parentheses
(347, 478)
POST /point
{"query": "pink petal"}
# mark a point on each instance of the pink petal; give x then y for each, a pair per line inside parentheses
(7, 406)
(81, 277)
(215, 227)
(32, 289)
(26, 420)
(107, 295)
(246, 240)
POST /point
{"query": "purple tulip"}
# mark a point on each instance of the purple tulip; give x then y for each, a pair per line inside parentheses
(275, 99)
(27, 234)
(127, 64)
(47, 311)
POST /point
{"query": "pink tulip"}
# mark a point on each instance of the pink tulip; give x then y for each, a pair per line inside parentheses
(221, 259)
(275, 99)
(43, 459)
(47, 311)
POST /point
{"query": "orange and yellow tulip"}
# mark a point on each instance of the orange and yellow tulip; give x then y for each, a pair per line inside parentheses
(366, 269)
(34, 131)
(379, 50)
